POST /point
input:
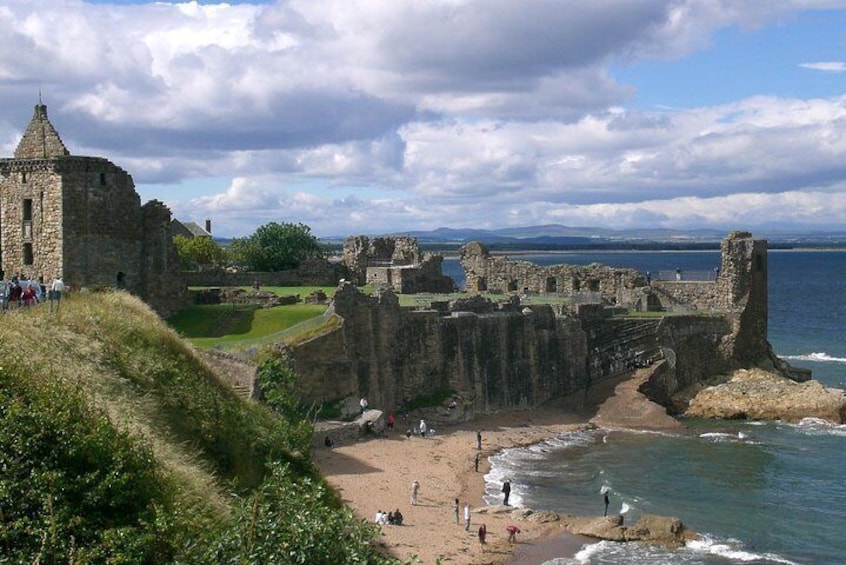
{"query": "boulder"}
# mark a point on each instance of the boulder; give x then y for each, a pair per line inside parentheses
(755, 394)
(662, 530)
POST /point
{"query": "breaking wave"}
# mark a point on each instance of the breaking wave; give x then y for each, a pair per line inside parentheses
(817, 357)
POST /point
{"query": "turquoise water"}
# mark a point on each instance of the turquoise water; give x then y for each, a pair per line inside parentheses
(757, 492)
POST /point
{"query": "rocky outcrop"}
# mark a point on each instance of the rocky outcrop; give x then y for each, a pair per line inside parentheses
(649, 527)
(755, 394)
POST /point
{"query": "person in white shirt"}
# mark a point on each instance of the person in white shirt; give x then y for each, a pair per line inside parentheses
(55, 293)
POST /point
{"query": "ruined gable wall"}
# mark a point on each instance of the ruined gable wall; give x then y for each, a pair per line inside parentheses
(160, 278)
(102, 223)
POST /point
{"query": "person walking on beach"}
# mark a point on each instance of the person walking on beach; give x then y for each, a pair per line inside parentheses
(477, 463)
(512, 532)
(479, 440)
(483, 533)
(605, 494)
(506, 491)
(456, 507)
(415, 488)
(423, 428)
(466, 516)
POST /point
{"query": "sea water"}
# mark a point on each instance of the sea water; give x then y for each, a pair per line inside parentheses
(756, 493)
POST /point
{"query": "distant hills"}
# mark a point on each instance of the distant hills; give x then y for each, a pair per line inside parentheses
(556, 236)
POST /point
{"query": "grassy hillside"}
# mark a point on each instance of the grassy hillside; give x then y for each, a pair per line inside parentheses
(117, 445)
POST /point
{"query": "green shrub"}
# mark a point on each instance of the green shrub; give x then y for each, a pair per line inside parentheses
(291, 520)
(72, 487)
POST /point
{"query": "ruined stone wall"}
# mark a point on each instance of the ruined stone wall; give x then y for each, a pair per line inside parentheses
(102, 224)
(500, 359)
(423, 277)
(505, 356)
(488, 273)
(161, 280)
(361, 252)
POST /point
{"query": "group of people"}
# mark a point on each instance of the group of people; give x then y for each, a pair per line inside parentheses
(423, 430)
(389, 518)
(18, 292)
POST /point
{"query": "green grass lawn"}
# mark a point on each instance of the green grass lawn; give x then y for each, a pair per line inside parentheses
(225, 325)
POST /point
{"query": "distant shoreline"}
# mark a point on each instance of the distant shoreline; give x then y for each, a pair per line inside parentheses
(496, 251)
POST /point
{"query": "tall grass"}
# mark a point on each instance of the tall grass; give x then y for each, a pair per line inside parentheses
(117, 444)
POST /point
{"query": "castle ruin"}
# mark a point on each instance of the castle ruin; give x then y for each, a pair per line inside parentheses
(506, 355)
(80, 219)
(395, 263)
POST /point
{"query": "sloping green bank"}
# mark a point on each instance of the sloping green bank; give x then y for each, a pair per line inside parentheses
(117, 445)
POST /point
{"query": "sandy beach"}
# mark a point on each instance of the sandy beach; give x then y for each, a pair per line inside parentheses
(376, 474)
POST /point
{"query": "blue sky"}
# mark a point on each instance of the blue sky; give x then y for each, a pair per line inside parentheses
(380, 116)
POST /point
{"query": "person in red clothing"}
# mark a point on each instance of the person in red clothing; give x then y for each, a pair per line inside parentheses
(28, 296)
(512, 532)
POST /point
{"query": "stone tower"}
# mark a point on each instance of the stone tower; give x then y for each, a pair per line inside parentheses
(80, 218)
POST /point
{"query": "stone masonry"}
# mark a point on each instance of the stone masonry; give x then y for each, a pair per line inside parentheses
(79, 218)
(395, 263)
(506, 355)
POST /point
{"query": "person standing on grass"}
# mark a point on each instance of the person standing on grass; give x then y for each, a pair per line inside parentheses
(55, 292)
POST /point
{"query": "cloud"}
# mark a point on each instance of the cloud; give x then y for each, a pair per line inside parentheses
(381, 115)
(826, 66)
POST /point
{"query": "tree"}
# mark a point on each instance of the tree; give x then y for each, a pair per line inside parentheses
(197, 253)
(276, 247)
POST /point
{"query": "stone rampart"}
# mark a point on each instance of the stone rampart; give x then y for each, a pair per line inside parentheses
(507, 355)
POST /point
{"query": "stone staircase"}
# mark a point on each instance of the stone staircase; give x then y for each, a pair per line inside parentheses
(618, 345)
(239, 373)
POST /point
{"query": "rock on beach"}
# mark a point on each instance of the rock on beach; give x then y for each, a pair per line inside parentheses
(755, 394)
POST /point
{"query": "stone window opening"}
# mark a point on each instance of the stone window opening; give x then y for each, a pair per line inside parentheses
(27, 218)
(23, 177)
(28, 258)
(120, 279)
(512, 286)
(551, 285)
(593, 285)
(102, 179)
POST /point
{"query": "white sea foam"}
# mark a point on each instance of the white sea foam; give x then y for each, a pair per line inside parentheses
(819, 357)
(733, 550)
(818, 426)
(719, 437)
